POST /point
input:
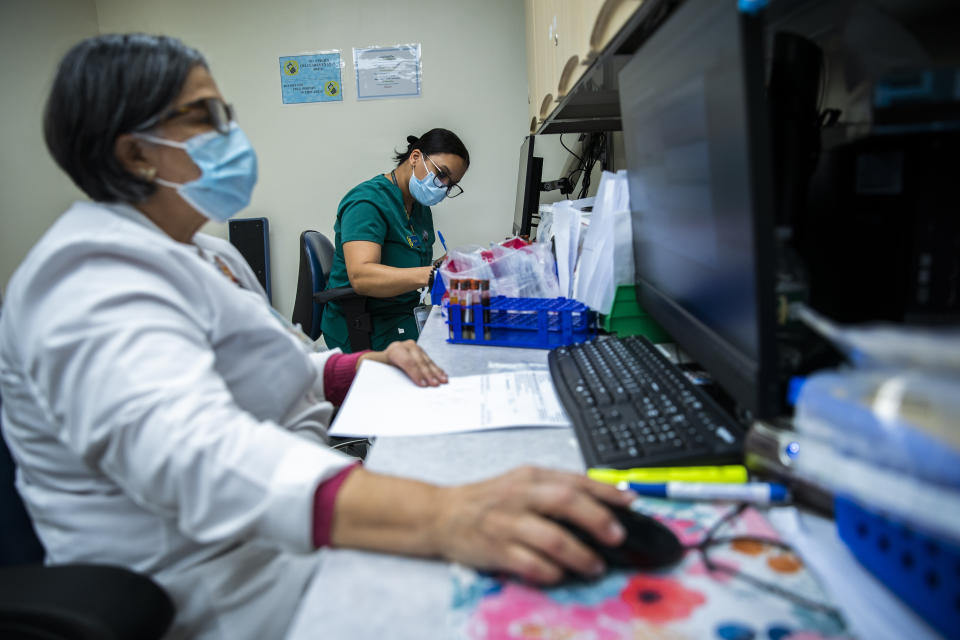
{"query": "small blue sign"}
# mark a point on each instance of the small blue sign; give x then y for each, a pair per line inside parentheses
(311, 78)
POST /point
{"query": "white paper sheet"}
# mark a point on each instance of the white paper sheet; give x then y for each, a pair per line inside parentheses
(383, 401)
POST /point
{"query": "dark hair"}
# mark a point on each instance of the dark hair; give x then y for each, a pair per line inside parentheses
(434, 141)
(106, 86)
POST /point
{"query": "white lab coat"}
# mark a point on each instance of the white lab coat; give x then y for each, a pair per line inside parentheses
(165, 419)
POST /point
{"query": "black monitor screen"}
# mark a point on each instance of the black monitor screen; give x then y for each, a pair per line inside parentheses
(528, 188)
(689, 138)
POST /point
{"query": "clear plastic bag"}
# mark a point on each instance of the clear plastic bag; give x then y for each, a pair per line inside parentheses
(522, 272)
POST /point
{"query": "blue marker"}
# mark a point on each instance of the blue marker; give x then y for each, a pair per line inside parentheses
(753, 492)
(442, 241)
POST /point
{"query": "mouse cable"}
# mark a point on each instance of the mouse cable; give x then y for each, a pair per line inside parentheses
(711, 539)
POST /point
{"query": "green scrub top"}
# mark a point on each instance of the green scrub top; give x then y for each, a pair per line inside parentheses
(373, 211)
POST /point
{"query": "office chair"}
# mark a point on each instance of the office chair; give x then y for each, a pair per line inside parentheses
(18, 541)
(67, 602)
(316, 259)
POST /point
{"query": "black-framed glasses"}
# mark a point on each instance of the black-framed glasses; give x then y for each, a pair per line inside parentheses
(711, 539)
(453, 189)
(219, 114)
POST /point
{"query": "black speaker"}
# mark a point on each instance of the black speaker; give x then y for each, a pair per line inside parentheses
(251, 238)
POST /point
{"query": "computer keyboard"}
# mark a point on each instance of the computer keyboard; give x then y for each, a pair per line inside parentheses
(631, 407)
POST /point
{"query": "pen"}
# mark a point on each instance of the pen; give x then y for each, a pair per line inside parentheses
(754, 492)
(443, 243)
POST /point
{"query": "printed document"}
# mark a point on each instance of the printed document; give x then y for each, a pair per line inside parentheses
(383, 401)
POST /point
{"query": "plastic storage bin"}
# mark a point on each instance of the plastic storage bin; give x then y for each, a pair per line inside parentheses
(921, 570)
(536, 323)
(626, 318)
(897, 418)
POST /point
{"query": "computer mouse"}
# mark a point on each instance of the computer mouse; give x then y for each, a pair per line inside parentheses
(649, 544)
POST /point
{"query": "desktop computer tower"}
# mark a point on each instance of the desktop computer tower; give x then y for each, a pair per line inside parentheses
(251, 238)
(865, 147)
(880, 234)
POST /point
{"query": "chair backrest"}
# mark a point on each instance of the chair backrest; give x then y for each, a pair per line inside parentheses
(18, 541)
(316, 259)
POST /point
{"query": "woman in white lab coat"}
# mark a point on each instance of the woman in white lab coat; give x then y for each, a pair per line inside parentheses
(165, 418)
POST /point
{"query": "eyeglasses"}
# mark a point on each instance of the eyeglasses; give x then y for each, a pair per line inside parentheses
(453, 190)
(219, 114)
(711, 539)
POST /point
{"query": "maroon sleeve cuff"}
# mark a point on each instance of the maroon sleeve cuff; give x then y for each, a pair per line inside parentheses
(338, 373)
(324, 500)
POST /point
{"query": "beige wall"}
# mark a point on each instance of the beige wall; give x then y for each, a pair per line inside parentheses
(34, 35)
(474, 82)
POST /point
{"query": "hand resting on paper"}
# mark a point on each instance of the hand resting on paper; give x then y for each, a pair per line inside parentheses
(412, 360)
(505, 523)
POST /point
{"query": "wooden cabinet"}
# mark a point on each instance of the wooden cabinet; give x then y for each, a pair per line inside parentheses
(576, 18)
(563, 38)
(607, 22)
(541, 58)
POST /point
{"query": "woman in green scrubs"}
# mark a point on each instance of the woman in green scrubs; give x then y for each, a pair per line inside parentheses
(384, 237)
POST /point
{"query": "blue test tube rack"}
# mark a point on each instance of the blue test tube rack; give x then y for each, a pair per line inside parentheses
(533, 323)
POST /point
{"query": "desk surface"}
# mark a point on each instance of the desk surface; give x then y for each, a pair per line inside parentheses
(359, 595)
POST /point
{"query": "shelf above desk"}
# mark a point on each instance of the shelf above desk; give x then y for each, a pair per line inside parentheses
(593, 104)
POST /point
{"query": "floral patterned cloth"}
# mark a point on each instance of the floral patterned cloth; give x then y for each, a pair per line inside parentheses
(687, 601)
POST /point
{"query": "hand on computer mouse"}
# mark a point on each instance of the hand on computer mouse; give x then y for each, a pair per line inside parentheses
(510, 523)
(648, 544)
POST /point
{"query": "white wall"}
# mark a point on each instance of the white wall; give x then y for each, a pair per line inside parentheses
(34, 35)
(474, 82)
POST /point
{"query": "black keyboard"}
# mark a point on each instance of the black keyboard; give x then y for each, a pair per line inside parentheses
(631, 407)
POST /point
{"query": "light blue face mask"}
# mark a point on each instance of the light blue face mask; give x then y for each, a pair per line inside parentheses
(425, 189)
(228, 166)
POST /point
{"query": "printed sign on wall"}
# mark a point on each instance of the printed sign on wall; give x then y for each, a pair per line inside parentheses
(311, 78)
(388, 72)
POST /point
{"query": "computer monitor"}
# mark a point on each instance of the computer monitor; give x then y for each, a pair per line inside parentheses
(698, 161)
(528, 188)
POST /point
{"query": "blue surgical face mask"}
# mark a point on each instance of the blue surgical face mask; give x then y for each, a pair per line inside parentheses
(228, 166)
(425, 189)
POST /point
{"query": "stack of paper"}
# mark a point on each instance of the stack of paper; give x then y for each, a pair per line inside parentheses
(467, 403)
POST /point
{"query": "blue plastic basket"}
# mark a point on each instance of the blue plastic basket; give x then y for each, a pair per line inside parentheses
(921, 570)
(535, 323)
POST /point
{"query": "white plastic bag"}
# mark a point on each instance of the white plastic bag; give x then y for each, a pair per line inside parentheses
(562, 227)
(606, 258)
(545, 228)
